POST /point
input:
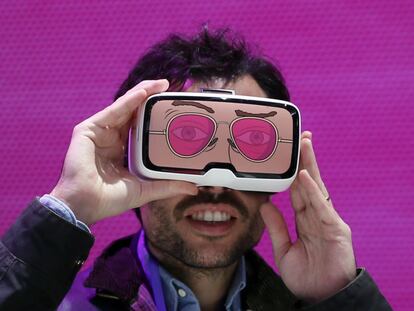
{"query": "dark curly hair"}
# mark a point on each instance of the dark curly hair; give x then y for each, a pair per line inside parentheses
(203, 57)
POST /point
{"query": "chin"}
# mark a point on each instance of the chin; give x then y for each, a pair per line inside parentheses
(210, 260)
(212, 254)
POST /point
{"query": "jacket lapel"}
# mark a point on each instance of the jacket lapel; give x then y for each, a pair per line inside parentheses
(116, 273)
(265, 290)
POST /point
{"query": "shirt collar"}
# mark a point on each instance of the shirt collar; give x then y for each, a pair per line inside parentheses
(233, 301)
(169, 291)
(174, 290)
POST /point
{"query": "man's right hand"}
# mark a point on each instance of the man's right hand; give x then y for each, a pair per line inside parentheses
(94, 183)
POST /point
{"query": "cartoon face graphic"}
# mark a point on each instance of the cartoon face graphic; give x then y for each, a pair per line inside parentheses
(193, 134)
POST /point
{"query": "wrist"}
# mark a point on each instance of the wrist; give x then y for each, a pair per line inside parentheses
(61, 209)
(333, 290)
(74, 203)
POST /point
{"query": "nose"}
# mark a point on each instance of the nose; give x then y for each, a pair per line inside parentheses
(221, 149)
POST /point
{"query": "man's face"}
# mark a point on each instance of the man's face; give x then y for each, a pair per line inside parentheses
(214, 228)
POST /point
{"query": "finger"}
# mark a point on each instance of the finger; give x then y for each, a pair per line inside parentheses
(308, 157)
(278, 230)
(163, 189)
(297, 196)
(307, 134)
(143, 84)
(317, 199)
(309, 163)
(121, 111)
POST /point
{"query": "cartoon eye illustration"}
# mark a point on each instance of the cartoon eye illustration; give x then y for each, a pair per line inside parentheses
(190, 133)
(254, 137)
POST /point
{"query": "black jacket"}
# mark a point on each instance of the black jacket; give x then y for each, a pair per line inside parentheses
(41, 254)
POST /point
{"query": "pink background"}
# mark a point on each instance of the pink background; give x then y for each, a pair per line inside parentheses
(349, 66)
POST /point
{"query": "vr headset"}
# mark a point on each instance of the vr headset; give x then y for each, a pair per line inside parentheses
(216, 138)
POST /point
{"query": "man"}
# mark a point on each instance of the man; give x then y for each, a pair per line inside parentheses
(173, 264)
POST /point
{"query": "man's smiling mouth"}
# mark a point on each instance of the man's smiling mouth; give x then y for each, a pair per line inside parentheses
(211, 216)
(211, 219)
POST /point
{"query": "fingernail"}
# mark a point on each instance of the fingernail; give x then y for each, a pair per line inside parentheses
(193, 191)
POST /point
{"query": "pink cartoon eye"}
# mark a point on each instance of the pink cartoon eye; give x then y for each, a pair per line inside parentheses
(255, 138)
(190, 134)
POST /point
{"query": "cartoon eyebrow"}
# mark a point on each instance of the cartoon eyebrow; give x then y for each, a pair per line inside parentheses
(195, 104)
(241, 113)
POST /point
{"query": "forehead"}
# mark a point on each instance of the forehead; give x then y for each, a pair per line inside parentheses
(244, 85)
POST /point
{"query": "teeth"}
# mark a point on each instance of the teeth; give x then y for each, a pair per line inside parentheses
(199, 216)
(217, 216)
(208, 216)
(211, 216)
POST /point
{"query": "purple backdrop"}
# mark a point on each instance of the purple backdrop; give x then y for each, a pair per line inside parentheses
(349, 66)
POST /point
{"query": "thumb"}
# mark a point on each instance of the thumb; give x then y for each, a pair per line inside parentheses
(278, 231)
(164, 189)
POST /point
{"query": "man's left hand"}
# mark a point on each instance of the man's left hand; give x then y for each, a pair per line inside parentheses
(321, 261)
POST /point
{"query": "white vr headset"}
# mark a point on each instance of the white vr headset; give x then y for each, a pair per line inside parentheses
(216, 138)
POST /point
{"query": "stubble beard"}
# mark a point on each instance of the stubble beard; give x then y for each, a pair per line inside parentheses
(173, 249)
